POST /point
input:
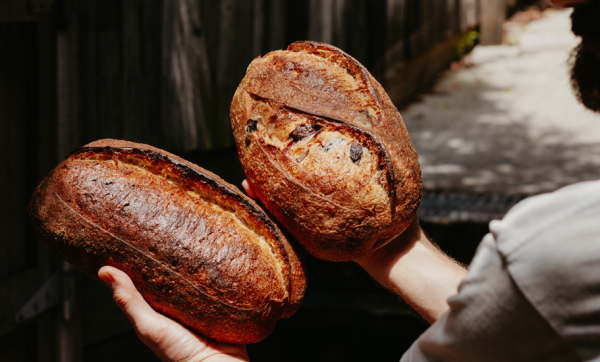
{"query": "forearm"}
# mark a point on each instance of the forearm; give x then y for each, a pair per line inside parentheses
(414, 269)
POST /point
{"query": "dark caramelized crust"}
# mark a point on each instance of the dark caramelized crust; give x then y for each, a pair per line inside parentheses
(197, 249)
(326, 150)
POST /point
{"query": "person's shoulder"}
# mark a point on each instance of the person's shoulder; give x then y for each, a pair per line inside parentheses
(551, 248)
(565, 208)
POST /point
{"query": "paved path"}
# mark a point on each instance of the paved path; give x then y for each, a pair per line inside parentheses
(510, 123)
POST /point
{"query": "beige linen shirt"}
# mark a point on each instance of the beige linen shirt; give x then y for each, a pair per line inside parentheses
(533, 289)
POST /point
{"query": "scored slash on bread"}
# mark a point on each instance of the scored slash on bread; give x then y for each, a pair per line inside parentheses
(197, 249)
(326, 150)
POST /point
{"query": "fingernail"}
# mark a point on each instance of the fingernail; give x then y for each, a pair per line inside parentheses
(107, 279)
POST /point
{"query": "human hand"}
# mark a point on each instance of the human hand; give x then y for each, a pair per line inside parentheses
(249, 190)
(169, 340)
(395, 249)
(413, 268)
(416, 270)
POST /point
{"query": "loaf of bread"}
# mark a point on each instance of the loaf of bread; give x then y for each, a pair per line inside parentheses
(326, 150)
(196, 248)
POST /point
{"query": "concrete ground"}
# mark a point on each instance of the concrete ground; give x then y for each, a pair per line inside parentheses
(510, 122)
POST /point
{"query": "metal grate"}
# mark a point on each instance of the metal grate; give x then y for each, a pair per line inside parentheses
(443, 207)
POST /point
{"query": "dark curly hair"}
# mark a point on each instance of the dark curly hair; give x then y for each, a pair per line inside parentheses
(585, 59)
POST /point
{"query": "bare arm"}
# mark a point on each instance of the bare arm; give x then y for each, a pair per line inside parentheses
(413, 268)
(417, 271)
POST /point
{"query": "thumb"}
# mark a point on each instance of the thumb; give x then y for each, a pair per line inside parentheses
(152, 328)
(126, 296)
(165, 337)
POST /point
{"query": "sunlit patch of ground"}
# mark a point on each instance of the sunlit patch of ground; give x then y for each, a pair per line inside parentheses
(510, 122)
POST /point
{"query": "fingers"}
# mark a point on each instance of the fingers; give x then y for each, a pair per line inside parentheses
(249, 190)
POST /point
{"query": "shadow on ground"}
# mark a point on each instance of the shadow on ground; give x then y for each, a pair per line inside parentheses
(488, 149)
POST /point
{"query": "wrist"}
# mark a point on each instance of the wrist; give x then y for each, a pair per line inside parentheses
(378, 262)
(413, 268)
(425, 278)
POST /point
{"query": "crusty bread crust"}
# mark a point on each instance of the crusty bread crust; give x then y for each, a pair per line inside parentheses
(197, 249)
(326, 150)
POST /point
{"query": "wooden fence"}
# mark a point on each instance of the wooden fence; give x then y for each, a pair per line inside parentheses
(164, 72)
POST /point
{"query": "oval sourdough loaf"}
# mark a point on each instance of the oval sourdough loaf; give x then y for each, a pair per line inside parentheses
(197, 249)
(326, 150)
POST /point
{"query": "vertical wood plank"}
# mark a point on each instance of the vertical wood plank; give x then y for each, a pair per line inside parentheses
(451, 18)
(27, 129)
(297, 21)
(439, 18)
(394, 52)
(339, 35)
(425, 26)
(320, 26)
(172, 60)
(197, 129)
(235, 53)
(375, 41)
(45, 144)
(151, 27)
(133, 112)
(315, 20)
(5, 119)
(109, 18)
(414, 24)
(205, 100)
(258, 28)
(18, 95)
(492, 15)
(69, 130)
(355, 27)
(42, 135)
(210, 19)
(277, 23)
(469, 14)
(65, 328)
(23, 89)
(87, 61)
(68, 318)
(186, 75)
(227, 52)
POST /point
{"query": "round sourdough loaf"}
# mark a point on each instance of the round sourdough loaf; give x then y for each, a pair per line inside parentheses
(196, 248)
(326, 150)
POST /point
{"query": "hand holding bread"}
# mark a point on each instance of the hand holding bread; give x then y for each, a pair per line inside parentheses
(168, 339)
